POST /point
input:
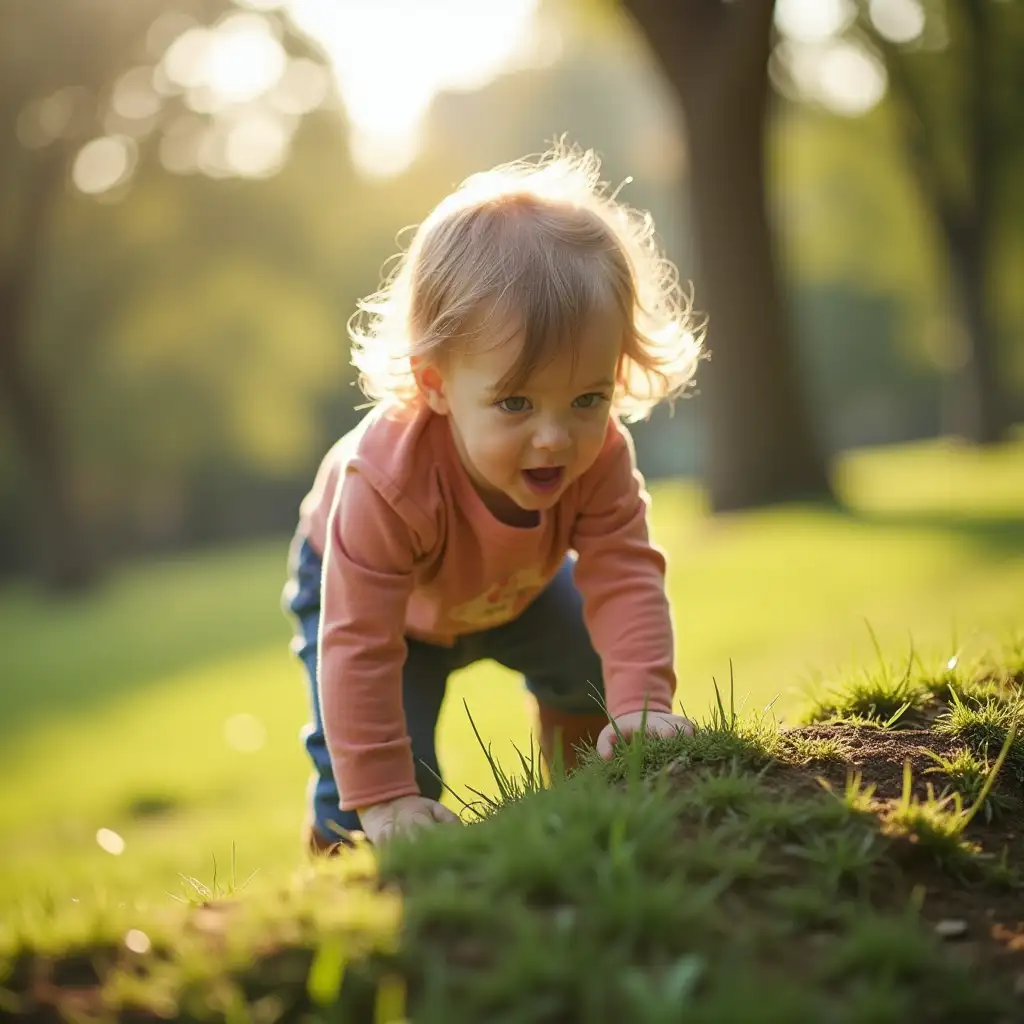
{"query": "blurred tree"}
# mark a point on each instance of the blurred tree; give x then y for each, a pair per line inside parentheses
(761, 442)
(61, 64)
(955, 71)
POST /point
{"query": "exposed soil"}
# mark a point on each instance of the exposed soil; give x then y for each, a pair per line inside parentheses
(981, 919)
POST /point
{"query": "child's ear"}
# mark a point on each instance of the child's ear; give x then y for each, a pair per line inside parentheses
(431, 386)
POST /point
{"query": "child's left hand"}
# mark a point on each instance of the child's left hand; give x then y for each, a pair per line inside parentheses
(659, 723)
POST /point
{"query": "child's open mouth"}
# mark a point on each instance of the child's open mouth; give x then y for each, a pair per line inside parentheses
(543, 481)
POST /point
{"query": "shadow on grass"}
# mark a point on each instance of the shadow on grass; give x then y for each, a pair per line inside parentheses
(992, 535)
(153, 621)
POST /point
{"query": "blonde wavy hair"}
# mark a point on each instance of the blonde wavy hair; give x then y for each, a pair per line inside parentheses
(541, 245)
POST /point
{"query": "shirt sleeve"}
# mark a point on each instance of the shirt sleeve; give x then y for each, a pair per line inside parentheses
(367, 581)
(621, 577)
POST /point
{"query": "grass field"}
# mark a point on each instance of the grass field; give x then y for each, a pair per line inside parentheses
(166, 707)
(864, 868)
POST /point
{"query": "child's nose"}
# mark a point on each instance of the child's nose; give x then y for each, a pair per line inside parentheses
(552, 437)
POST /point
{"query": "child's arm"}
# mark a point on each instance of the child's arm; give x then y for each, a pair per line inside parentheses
(367, 582)
(621, 576)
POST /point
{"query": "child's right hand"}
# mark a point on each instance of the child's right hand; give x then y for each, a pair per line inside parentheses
(403, 814)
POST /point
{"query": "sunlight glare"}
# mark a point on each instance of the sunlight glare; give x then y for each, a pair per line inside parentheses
(186, 58)
(813, 21)
(103, 164)
(841, 76)
(134, 97)
(237, 62)
(899, 21)
(391, 59)
(302, 88)
(852, 80)
(246, 61)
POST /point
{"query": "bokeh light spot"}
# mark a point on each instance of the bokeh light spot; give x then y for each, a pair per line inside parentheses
(899, 21)
(245, 733)
(257, 145)
(852, 80)
(186, 58)
(134, 96)
(302, 87)
(813, 21)
(103, 163)
(245, 59)
(109, 840)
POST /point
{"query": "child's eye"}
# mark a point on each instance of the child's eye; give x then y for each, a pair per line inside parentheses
(590, 400)
(515, 403)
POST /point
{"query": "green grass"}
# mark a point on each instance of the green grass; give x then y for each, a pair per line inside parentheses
(696, 875)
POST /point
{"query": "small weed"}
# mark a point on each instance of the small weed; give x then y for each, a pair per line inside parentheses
(784, 819)
(841, 857)
(717, 792)
(198, 893)
(882, 696)
(967, 774)
(857, 797)
(717, 855)
(953, 676)
(985, 724)
(934, 825)
(511, 788)
(937, 823)
(805, 749)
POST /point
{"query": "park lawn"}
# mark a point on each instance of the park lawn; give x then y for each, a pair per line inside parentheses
(166, 707)
(864, 868)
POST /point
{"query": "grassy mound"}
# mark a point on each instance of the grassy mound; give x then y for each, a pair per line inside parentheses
(860, 867)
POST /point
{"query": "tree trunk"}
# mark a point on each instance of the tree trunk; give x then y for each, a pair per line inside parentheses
(63, 557)
(978, 411)
(970, 241)
(762, 447)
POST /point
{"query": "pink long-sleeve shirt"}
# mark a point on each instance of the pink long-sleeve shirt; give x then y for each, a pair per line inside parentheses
(410, 549)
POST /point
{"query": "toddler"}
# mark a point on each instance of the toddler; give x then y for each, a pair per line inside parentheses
(489, 504)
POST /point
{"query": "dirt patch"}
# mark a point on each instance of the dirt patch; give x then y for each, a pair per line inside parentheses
(980, 918)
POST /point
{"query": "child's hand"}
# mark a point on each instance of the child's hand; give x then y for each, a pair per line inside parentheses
(659, 723)
(403, 814)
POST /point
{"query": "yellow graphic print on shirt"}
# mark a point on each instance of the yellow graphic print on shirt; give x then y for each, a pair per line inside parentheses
(501, 601)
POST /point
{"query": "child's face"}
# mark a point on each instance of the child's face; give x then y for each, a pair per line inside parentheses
(523, 449)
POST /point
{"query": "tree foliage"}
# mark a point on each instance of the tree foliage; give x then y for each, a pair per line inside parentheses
(61, 65)
(954, 78)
